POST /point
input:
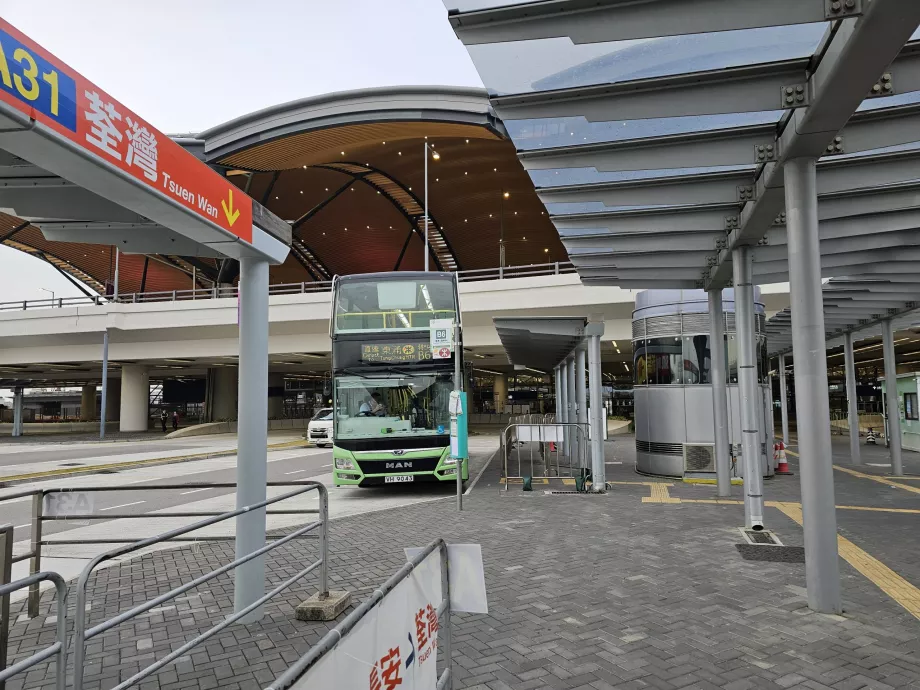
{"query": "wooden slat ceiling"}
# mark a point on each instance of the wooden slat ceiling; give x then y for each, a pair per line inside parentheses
(466, 189)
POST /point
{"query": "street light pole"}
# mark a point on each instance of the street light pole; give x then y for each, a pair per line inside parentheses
(52, 294)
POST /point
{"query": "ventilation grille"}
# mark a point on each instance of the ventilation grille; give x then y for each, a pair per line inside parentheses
(638, 329)
(663, 325)
(659, 448)
(696, 323)
(699, 457)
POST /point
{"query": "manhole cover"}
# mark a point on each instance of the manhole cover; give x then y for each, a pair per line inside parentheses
(107, 472)
(774, 554)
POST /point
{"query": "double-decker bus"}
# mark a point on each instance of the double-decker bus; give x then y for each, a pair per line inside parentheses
(390, 391)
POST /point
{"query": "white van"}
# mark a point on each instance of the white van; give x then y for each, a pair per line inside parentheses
(319, 430)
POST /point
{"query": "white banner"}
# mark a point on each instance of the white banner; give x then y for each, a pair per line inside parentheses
(467, 577)
(394, 646)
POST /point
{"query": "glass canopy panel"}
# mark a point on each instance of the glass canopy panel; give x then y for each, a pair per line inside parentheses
(551, 64)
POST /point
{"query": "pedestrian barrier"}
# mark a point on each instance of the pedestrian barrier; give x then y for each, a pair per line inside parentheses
(554, 449)
(231, 291)
(299, 677)
(82, 634)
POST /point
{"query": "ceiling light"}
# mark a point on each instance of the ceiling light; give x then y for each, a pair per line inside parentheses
(494, 169)
(343, 153)
(467, 141)
(276, 197)
(614, 343)
(524, 238)
(464, 220)
(515, 213)
(327, 189)
(301, 191)
(546, 251)
(399, 152)
(436, 156)
(384, 143)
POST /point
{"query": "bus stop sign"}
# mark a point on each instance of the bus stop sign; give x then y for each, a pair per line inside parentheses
(442, 338)
(46, 90)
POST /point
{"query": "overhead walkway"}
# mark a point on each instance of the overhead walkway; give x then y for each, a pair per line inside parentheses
(761, 142)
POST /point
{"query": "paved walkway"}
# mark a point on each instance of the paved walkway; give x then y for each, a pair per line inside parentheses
(641, 588)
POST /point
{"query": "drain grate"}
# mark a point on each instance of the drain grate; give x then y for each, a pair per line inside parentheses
(71, 464)
(776, 554)
(107, 472)
(576, 493)
(762, 537)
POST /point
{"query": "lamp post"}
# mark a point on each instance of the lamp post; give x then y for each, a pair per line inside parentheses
(436, 156)
(501, 237)
(52, 294)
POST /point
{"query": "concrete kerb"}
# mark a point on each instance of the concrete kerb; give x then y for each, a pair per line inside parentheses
(133, 464)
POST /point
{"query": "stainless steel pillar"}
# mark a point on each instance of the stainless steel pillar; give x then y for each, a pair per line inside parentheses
(816, 473)
(891, 399)
(103, 417)
(581, 407)
(596, 386)
(571, 403)
(783, 399)
(718, 377)
(251, 464)
(852, 409)
(748, 388)
(17, 411)
(557, 389)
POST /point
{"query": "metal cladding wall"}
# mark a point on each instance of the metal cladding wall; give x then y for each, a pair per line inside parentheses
(673, 396)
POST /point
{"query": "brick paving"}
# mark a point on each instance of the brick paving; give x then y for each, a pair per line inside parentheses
(586, 592)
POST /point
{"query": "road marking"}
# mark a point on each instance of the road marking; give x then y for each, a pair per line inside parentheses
(194, 491)
(123, 505)
(481, 472)
(862, 475)
(879, 574)
(296, 471)
(29, 524)
(325, 466)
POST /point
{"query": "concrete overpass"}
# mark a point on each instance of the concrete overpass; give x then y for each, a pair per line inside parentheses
(200, 338)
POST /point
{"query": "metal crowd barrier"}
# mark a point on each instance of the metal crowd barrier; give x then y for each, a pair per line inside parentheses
(217, 292)
(332, 638)
(560, 448)
(82, 634)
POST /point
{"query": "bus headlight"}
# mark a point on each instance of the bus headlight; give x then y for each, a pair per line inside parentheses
(344, 464)
(450, 461)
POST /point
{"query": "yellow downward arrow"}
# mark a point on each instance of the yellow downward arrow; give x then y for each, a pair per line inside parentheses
(228, 209)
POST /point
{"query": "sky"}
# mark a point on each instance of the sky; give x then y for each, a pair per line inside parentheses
(186, 66)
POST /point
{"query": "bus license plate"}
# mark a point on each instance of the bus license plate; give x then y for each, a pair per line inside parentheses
(398, 479)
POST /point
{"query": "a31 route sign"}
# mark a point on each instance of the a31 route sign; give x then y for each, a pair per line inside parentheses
(45, 89)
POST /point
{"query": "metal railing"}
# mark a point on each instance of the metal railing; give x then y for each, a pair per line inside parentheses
(555, 449)
(82, 634)
(231, 291)
(334, 636)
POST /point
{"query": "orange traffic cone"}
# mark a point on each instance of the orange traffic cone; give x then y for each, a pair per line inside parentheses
(783, 466)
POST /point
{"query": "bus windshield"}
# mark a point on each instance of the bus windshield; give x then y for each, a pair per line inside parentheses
(380, 305)
(382, 405)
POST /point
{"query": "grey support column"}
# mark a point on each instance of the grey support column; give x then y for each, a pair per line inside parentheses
(251, 464)
(816, 472)
(17, 411)
(104, 407)
(594, 330)
(891, 399)
(783, 399)
(719, 392)
(852, 409)
(557, 388)
(581, 411)
(748, 389)
(571, 404)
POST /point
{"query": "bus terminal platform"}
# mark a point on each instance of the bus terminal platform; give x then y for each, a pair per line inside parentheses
(641, 587)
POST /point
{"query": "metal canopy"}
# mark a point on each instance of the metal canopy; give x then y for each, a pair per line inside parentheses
(659, 157)
(540, 342)
(856, 304)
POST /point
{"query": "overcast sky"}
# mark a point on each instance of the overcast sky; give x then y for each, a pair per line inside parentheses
(186, 66)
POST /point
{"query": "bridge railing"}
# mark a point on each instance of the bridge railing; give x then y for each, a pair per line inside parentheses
(231, 291)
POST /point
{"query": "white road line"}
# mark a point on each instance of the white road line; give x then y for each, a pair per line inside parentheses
(29, 524)
(296, 472)
(194, 491)
(123, 505)
(469, 488)
(325, 466)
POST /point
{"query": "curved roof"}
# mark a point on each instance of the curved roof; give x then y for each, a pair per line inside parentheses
(347, 171)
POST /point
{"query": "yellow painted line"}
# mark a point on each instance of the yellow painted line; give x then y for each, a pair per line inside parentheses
(883, 577)
(693, 480)
(88, 469)
(875, 478)
(519, 480)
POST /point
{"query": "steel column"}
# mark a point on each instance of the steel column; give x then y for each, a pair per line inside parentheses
(557, 388)
(105, 382)
(816, 473)
(718, 378)
(581, 400)
(891, 399)
(852, 410)
(426, 204)
(748, 388)
(596, 385)
(571, 403)
(251, 464)
(115, 286)
(783, 399)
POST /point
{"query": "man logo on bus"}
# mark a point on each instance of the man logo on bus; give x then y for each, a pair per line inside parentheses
(408, 350)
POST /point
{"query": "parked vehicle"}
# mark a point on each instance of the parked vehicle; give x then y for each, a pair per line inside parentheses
(319, 430)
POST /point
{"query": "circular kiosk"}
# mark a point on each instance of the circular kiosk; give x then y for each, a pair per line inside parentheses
(673, 388)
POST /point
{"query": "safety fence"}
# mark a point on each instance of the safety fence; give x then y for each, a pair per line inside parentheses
(317, 669)
(232, 291)
(545, 448)
(46, 507)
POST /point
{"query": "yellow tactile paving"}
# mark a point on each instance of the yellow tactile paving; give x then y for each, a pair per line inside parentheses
(660, 494)
(883, 577)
